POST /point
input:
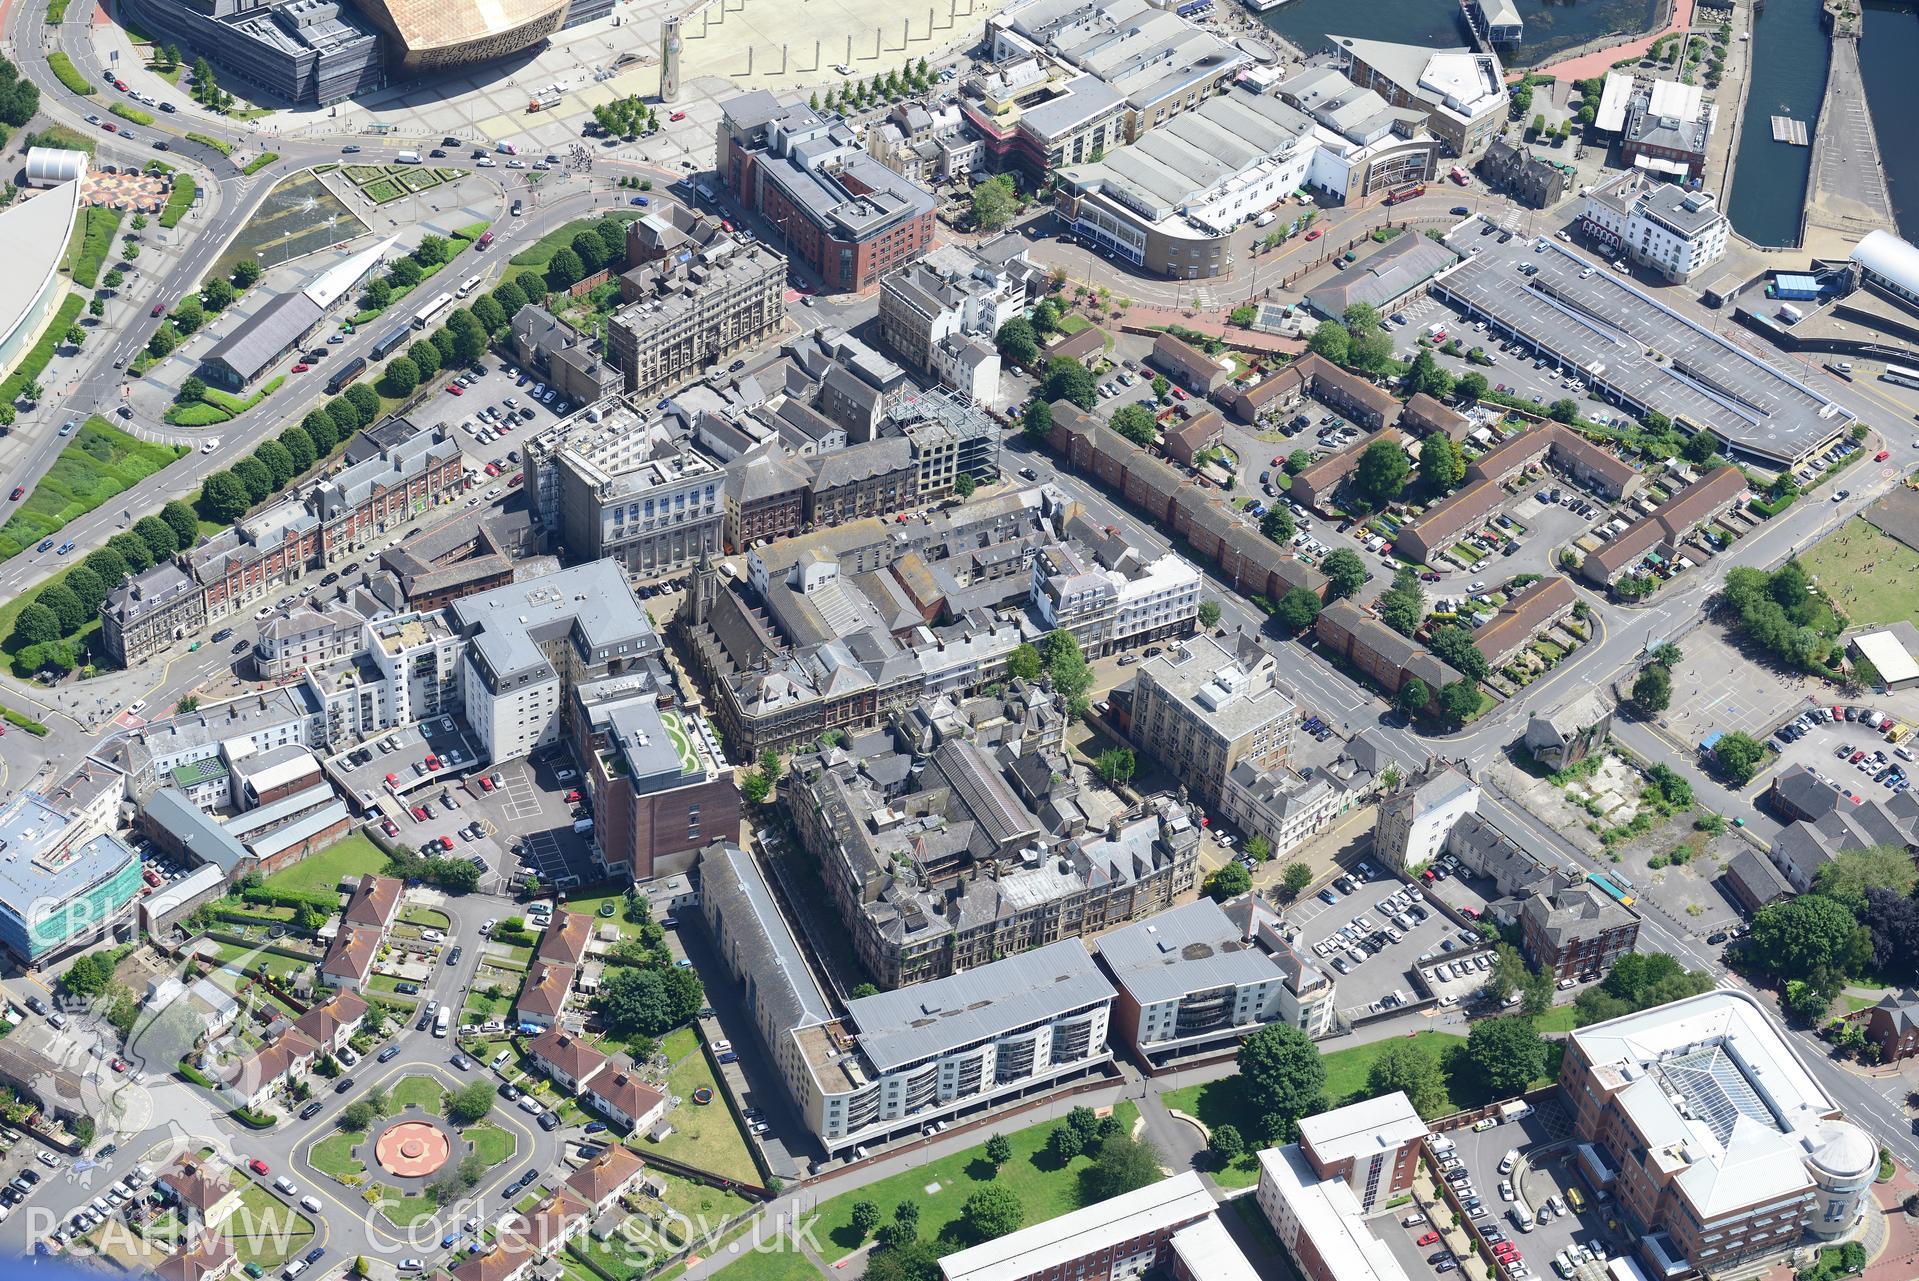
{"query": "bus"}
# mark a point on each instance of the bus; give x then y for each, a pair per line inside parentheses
(1901, 375)
(472, 283)
(1405, 193)
(345, 374)
(424, 316)
(385, 347)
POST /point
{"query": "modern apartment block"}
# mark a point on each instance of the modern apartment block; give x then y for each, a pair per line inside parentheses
(1316, 1193)
(661, 787)
(954, 1046)
(1677, 232)
(1195, 979)
(1461, 90)
(1159, 1226)
(622, 482)
(846, 216)
(1204, 707)
(694, 295)
(1414, 821)
(1719, 1145)
(63, 884)
(1372, 1145)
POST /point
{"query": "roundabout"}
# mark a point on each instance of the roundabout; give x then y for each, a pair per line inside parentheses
(412, 1149)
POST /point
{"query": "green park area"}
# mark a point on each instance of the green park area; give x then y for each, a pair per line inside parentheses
(1046, 1188)
(541, 251)
(264, 1230)
(91, 243)
(97, 463)
(705, 1136)
(322, 873)
(1871, 577)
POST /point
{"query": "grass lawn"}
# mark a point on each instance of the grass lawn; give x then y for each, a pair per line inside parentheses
(322, 872)
(266, 1231)
(405, 1211)
(1218, 1103)
(92, 242)
(1045, 1189)
(1870, 577)
(785, 1266)
(1072, 323)
(276, 965)
(334, 1154)
(705, 1136)
(617, 1256)
(705, 1208)
(423, 1090)
(480, 1007)
(492, 1143)
(1558, 1019)
(539, 253)
(97, 463)
(424, 917)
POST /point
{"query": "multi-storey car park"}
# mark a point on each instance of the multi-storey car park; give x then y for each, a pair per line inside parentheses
(1636, 351)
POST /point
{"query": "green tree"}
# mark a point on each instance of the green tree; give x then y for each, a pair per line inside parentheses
(1808, 936)
(223, 498)
(216, 294)
(181, 520)
(1652, 690)
(508, 296)
(487, 310)
(1228, 882)
(1298, 461)
(1471, 388)
(469, 1103)
(278, 462)
(899, 1257)
(1115, 765)
(1806, 1001)
(1278, 524)
(1332, 341)
(1024, 663)
(1563, 410)
(591, 250)
(992, 1211)
(866, 1217)
(399, 378)
(65, 606)
(425, 357)
(1297, 609)
(107, 566)
(1066, 667)
(1411, 1066)
(1699, 446)
(1455, 644)
(1425, 375)
(1122, 1164)
(163, 340)
(158, 536)
(299, 447)
(1162, 388)
(36, 625)
(132, 551)
(1441, 465)
(1295, 878)
(1414, 697)
(1284, 1074)
(192, 391)
(564, 269)
(1345, 573)
(756, 788)
(1507, 1054)
(1225, 1143)
(363, 399)
(87, 588)
(1067, 379)
(1851, 873)
(1045, 318)
(1135, 422)
(378, 294)
(964, 485)
(246, 272)
(320, 430)
(1209, 614)
(1381, 473)
(1403, 604)
(1738, 756)
(993, 203)
(1459, 701)
(999, 1150)
(404, 274)
(1037, 422)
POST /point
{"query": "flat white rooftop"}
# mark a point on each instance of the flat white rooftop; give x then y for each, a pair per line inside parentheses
(1060, 1241)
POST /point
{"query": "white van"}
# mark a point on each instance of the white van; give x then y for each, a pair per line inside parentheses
(294, 1269)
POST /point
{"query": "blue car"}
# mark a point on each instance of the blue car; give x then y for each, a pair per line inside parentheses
(595, 1127)
(1327, 896)
(446, 1242)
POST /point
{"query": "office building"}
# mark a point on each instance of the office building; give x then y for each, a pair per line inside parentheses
(1113, 602)
(1204, 707)
(623, 483)
(1576, 929)
(528, 643)
(149, 612)
(661, 787)
(842, 213)
(1677, 232)
(1195, 979)
(63, 884)
(1112, 1240)
(1719, 1145)
(1461, 90)
(308, 52)
(1280, 805)
(1663, 126)
(1367, 146)
(695, 295)
(1414, 821)
(940, 315)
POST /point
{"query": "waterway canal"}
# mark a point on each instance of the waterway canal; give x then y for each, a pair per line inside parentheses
(1888, 53)
(1790, 54)
(1551, 28)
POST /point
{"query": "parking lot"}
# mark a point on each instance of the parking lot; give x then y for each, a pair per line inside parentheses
(1522, 1170)
(1375, 971)
(1853, 756)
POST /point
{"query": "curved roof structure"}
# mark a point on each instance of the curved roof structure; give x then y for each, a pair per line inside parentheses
(1883, 254)
(444, 33)
(51, 166)
(35, 232)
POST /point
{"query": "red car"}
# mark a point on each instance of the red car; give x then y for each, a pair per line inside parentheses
(456, 389)
(301, 369)
(571, 796)
(1505, 1247)
(390, 827)
(1428, 875)
(158, 307)
(492, 469)
(518, 476)
(109, 126)
(257, 1165)
(1313, 234)
(117, 1064)
(419, 815)
(486, 784)
(677, 116)
(121, 85)
(1882, 455)
(1431, 1238)
(18, 490)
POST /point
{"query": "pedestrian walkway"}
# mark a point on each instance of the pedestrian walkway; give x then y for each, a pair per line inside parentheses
(1598, 62)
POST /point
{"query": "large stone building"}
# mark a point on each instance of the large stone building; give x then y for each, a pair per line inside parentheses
(1575, 928)
(847, 217)
(1205, 707)
(146, 614)
(1676, 232)
(694, 295)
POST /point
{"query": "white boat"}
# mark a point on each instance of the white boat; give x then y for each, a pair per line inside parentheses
(1261, 6)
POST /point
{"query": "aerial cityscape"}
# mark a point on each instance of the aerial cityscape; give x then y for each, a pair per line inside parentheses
(1065, 640)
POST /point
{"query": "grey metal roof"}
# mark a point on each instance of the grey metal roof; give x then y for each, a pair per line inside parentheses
(1188, 948)
(262, 337)
(899, 1028)
(204, 836)
(764, 947)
